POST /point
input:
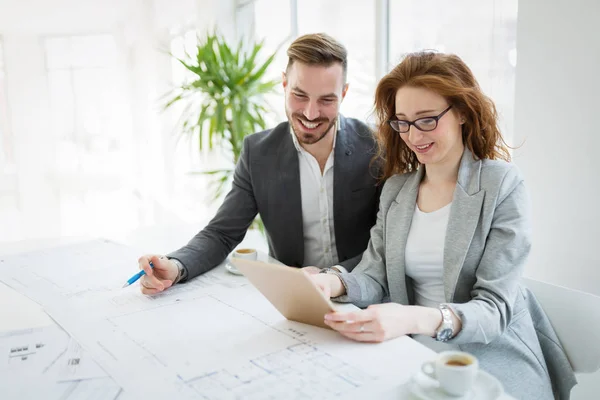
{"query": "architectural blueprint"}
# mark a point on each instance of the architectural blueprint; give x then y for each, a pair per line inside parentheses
(215, 337)
(45, 363)
(297, 372)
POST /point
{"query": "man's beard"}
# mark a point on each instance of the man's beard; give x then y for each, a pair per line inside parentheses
(309, 138)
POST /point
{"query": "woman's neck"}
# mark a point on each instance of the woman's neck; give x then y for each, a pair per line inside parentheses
(444, 172)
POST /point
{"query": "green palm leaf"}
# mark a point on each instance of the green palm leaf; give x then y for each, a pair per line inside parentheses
(225, 100)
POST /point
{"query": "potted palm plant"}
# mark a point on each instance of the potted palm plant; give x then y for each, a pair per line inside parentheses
(224, 100)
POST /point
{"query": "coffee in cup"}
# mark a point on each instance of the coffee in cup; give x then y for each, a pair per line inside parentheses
(247, 254)
(454, 370)
(458, 363)
(243, 253)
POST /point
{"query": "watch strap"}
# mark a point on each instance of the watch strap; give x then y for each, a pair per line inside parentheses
(181, 273)
(445, 331)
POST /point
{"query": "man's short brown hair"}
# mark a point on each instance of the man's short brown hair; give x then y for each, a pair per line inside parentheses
(318, 49)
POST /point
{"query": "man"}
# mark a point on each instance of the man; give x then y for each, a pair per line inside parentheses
(310, 178)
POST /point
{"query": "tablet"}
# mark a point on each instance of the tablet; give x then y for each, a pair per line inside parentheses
(292, 293)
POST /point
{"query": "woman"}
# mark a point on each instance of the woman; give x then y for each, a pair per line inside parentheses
(452, 234)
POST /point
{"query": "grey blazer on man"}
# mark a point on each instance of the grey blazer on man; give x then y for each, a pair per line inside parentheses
(488, 239)
(267, 181)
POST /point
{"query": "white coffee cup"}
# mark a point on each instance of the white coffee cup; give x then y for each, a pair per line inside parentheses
(246, 253)
(454, 370)
(243, 253)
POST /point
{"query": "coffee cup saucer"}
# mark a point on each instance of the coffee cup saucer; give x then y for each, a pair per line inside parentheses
(231, 268)
(485, 387)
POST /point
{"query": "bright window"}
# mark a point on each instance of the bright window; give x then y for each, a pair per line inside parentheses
(482, 33)
(352, 22)
(9, 197)
(6, 156)
(274, 22)
(91, 126)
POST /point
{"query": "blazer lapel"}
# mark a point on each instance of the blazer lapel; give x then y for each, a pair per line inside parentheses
(462, 222)
(398, 221)
(342, 171)
(288, 169)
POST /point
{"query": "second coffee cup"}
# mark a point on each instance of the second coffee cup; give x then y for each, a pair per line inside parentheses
(454, 370)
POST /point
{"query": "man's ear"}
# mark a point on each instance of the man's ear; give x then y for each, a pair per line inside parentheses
(284, 81)
(345, 90)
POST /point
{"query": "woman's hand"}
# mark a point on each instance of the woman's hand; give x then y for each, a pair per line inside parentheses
(382, 322)
(311, 270)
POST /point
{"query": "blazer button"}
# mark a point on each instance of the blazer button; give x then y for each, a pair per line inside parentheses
(348, 152)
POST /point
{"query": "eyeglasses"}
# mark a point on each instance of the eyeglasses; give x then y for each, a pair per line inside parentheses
(426, 124)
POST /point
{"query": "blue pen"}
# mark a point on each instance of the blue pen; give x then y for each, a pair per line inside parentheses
(137, 276)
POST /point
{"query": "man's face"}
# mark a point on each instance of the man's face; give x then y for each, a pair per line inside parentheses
(313, 95)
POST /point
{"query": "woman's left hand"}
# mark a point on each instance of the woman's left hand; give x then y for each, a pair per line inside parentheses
(377, 323)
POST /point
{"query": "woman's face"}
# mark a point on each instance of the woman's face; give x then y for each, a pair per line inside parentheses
(437, 142)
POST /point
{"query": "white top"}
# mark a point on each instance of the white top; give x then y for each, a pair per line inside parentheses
(424, 259)
(425, 255)
(317, 207)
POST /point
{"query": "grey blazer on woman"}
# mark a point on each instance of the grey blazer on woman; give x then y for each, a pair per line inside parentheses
(488, 239)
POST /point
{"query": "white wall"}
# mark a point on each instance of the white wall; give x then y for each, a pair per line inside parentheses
(557, 106)
(557, 117)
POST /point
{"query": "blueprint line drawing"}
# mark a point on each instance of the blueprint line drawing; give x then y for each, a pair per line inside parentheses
(91, 286)
(36, 362)
(215, 337)
(298, 372)
(300, 364)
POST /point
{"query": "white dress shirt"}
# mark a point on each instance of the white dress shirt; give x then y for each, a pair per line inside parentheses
(317, 207)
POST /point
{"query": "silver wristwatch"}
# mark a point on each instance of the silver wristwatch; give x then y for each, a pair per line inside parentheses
(336, 270)
(181, 273)
(445, 331)
(332, 271)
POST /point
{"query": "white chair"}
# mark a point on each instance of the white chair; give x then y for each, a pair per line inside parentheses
(575, 316)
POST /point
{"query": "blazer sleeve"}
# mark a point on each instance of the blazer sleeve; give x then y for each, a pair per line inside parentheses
(227, 229)
(367, 283)
(351, 263)
(489, 312)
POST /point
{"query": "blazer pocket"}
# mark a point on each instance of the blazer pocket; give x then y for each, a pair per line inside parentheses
(525, 335)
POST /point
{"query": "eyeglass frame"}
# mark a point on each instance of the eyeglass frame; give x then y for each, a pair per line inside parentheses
(414, 123)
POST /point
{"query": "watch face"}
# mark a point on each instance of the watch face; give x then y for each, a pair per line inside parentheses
(444, 334)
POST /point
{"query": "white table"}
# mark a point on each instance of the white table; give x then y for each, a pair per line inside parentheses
(24, 314)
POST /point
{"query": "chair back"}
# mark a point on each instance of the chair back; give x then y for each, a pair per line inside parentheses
(575, 317)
